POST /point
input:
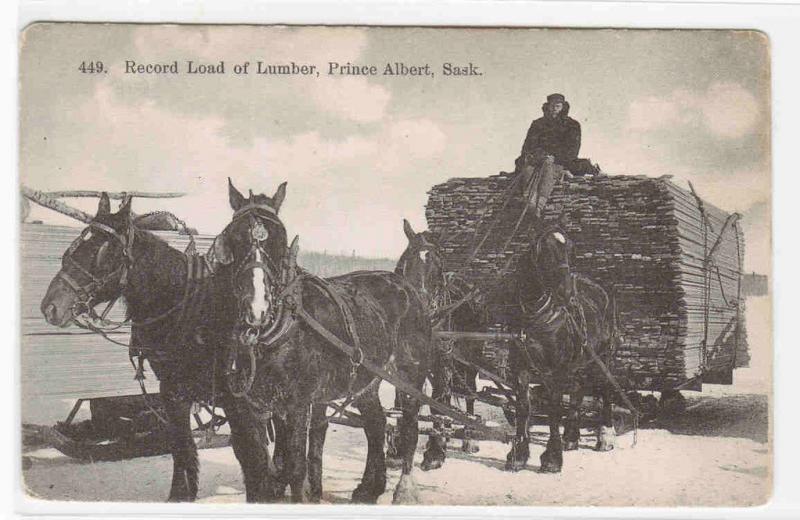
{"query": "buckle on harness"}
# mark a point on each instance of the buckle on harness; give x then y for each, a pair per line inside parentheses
(81, 307)
(249, 337)
(356, 360)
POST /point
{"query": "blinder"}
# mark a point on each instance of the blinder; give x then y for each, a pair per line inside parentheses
(86, 292)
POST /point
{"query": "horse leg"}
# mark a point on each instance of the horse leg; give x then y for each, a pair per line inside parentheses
(606, 436)
(517, 458)
(316, 442)
(373, 482)
(280, 480)
(470, 374)
(249, 442)
(436, 449)
(406, 491)
(185, 466)
(572, 425)
(552, 459)
(295, 462)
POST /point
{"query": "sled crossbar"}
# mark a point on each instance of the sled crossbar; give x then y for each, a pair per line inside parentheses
(475, 336)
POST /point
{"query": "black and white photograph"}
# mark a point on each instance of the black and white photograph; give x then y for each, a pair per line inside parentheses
(435, 266)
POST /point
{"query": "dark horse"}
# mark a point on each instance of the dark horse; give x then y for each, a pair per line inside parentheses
(303, 342)
(454, 304)
(570, 323)
(178, 321)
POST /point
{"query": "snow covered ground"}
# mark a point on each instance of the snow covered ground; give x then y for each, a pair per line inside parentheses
(718, 453)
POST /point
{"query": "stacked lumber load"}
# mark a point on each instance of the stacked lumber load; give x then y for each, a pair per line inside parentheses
(672, 261)
(474, 219)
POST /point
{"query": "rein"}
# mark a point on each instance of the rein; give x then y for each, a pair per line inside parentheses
(83, 313)
(86, 293)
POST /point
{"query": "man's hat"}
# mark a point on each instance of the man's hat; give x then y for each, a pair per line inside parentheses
(556, 98)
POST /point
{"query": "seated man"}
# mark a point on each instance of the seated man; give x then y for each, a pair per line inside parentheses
(556, 135)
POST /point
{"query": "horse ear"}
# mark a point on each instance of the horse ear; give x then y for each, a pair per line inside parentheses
(221, 250)
(125, 207)
(280, 194)
(409, 231)
(104, 207)
(293, 250)
(235, 198)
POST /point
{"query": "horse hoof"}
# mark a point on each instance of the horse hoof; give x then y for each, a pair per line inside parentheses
(430, 465)
(570, 445)
(362, 496)
(470, 447)
(515, 465)
(550, 462)
(179, 498)
(406, 491)
(550, 467)
(605, 439)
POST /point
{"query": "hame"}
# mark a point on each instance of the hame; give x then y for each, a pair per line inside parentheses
(205, 68)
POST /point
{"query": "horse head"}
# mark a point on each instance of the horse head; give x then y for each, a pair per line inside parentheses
(94, 268)
(254, 245)
(421, 263)
(551, 253)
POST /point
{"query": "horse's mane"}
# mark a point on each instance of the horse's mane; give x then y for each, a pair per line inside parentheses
(164, 267)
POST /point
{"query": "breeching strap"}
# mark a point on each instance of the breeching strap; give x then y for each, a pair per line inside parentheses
(385, 374)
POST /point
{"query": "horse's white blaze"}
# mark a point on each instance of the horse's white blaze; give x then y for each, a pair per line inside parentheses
(560, 237)
(423, 255)
(259, 306)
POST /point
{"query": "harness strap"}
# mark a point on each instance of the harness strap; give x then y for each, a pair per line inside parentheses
(252, 206)
(74, 285)
(357, 355)
(388, 376)
(347, 316)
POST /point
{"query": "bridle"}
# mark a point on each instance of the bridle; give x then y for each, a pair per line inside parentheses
(425, 246)
(87, 292)
(279, 277)
(536, 254)
(283, 282)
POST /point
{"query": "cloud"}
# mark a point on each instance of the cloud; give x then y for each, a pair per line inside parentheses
(350, 98)
(333, 181)
(652, 112)
(213, 43)
(729, 110)
(730, 185)
(355, 99)
(725, 110)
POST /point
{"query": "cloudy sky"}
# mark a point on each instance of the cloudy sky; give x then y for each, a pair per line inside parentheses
(359, 153)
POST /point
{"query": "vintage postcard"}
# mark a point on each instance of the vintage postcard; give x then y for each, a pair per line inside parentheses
(435, 266)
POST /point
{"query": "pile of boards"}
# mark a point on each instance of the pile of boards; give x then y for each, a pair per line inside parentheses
(672, 261)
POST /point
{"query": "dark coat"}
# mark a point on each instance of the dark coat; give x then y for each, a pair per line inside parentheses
(559, 137)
